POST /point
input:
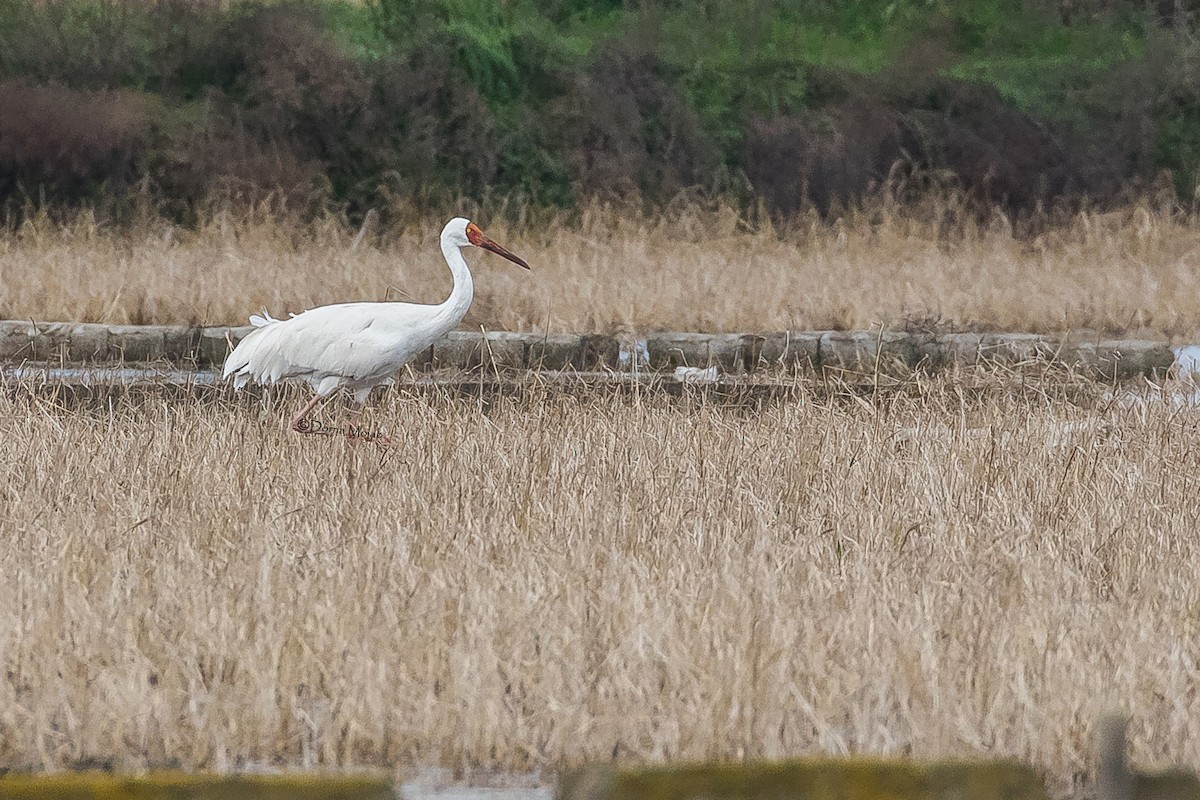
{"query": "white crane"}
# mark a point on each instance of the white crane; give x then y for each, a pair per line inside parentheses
(356, 346)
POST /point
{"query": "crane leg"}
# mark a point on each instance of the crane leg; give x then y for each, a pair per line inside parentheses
(302, 425)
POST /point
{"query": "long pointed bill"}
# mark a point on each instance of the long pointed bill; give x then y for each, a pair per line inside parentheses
(488, 244)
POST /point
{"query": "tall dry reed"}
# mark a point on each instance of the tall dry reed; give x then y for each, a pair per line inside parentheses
(1129, 272)
(548, 579)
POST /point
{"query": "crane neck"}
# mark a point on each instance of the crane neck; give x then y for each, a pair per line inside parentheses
(455, 306)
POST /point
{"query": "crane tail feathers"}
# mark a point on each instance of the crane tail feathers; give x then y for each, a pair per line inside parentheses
(260, 356)
(238, 362)
(263, 319)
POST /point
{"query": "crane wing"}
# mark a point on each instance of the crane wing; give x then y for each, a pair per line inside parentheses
(357, 343)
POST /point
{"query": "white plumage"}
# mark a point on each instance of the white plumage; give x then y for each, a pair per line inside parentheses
(259, 320)
(356, 346)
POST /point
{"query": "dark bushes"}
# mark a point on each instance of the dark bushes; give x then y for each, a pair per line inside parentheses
(292, 92)
(82, 45)
(412, 123)
(264, 102)
(826, 158)
(67, 145)
(963, 131)
(559, 100)
(999, 154)
(430, 128)
(627, 131)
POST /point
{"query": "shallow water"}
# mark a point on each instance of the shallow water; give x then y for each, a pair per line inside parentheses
(427, 790)
(43, 374)
(86, 386)
(476, 793)
(109, 376)
(92, 381)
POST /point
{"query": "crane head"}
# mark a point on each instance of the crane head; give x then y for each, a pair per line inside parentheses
(461, 233)
(476, 237)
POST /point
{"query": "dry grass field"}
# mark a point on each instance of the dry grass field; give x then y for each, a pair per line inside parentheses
(1128, 272)
(546, 579)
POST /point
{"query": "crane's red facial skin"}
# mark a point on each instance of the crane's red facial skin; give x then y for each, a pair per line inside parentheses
(476, 237)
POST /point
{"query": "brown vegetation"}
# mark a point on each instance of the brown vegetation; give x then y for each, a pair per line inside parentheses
(555, 103)
(548, 579)
(68, 139)
(1131, 272)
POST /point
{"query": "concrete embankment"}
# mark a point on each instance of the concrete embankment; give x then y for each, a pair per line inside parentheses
(856, 351)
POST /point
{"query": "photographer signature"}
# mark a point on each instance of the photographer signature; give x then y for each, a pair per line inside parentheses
(351, 432)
